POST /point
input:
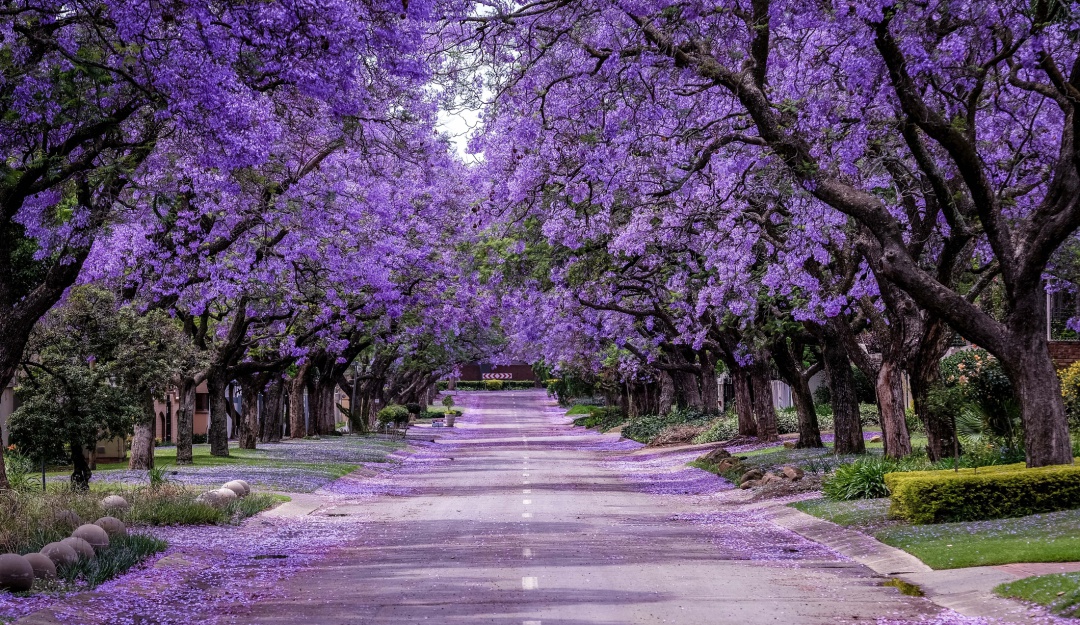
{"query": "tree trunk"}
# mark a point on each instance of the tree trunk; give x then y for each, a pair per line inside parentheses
(185, 420)
(218, 434)
(297, 426)
(686, 391)
(847, 425)
(327, 407)
(4, 485)
(890, 396)
(764, 410)
(924, 372)
(1038, 390)
(710, 390)
(80, 475)
(270, 428)
(809, 429)
(744, 402)
(667, 393)
(248, 425)
(142, 442)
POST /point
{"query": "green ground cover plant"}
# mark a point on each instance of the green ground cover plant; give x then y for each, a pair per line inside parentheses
(601, 418)
(123, 552)
(645, 428)
(1052, 537)
(1058, 592)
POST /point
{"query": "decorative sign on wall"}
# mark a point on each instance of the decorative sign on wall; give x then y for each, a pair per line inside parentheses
(498, 376)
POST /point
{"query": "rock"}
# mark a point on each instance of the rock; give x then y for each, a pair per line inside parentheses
(225, 496)
(42, 565)
(247, 487)
(748, 484)
(61, 554)
(771, 478)
(96, 536)
(715, 455)
(752, 474)
(793, 473)
(16, 574)
(789, 444)
(81, 547)
(728, 464)
(115, 502)
(875, 439)
(240, 488)
(67, 519)
(112, 525)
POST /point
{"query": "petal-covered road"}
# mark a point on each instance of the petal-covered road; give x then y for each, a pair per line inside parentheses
(525, 520)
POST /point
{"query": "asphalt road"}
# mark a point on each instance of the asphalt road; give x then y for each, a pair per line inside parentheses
(530, 524)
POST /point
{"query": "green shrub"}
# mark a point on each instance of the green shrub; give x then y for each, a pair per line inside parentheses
(601, 418)
(643, 429)
(722, 429)
(986, 493)
(494, 385)
(393, 413)
(863, 479)
(198, 439)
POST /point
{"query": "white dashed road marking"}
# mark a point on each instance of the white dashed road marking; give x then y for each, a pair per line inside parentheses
(529, 583)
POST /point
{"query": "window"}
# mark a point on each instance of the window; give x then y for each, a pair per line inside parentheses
(202, 402)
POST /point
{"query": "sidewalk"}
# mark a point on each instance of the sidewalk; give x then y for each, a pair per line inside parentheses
(968, 591)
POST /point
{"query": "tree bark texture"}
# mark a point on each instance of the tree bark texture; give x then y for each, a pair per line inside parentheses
(218, 434)
(744, 402)
(185, 420)
(847, 426)
(142, 442)
(764, 409)
(297, 426)
(890, 396)
(247, 427)
(270, 427)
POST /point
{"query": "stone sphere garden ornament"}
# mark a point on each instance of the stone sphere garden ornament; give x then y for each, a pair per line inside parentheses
(115, 502)
(97, 537)
(68, 519)
(81, 547)
(210, 498)
(226, 496)
(60, 553)
(112, 525)
(16, 574)
(44, 568)
(239, 487)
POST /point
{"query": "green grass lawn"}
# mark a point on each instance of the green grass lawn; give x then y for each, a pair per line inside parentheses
(1060, 592)
(579, 409)
(294, 466)
(1052, 537)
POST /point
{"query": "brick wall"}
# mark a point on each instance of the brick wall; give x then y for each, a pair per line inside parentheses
(1064, 353)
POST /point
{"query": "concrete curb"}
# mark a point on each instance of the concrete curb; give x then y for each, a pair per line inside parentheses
(966, 591)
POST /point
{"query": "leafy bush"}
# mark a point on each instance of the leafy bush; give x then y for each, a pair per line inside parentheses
(494, 385)
(393, 413)
(414, 408)
(570, 386)
(987, 493)
(862, 479)
(198, 439)
(601, 418)
(982, 382)
(722, 429)
(643, 429)
(20, 472)
(1070, 390)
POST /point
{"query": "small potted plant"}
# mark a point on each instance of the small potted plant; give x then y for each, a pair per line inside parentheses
(448, 402)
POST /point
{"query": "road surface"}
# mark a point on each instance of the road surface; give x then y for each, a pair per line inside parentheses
(531, 523)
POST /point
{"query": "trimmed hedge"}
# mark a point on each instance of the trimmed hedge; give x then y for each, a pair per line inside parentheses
(986, 493)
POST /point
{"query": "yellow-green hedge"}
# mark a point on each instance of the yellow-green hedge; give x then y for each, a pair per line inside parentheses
(988, 493)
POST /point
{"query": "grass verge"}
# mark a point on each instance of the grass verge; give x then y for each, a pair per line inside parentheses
(1059, 592)
(866, 514)
(1052, 537)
